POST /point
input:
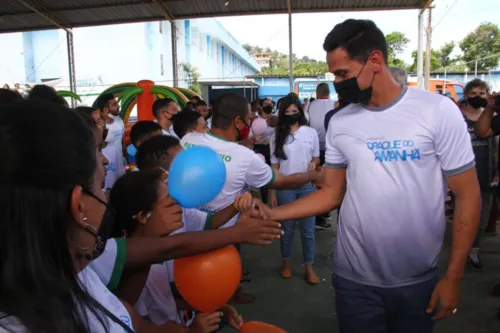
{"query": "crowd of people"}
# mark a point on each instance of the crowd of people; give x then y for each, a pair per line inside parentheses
(89, 232)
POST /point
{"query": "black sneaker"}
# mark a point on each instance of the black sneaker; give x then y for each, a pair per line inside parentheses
(476, 264)
(323, 225)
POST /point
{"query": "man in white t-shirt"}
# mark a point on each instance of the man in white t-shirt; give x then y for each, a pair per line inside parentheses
(317, 110)
(163, 110)
(390, 157)
(110, 110)
(244, 168)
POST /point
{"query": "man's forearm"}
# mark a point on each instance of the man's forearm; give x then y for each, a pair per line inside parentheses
(483, 124)
(295, 180)
(316, 203)
(142, 251)
(465, 223)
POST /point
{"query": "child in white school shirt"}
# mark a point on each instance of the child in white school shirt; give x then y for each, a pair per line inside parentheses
(133, 198)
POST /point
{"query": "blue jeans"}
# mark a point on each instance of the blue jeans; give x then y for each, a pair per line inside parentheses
(306, 225)
(362, 309)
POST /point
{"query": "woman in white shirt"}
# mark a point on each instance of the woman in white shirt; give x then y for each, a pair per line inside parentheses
(54, 221)
(295, 148)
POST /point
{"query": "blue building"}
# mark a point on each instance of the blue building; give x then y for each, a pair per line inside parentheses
(108, 55)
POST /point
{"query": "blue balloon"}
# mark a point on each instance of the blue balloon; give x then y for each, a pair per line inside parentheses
(131, 150)
(196, 176)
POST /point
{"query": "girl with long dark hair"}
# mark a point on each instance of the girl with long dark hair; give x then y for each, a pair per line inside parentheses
(295, 148)
(54, 220)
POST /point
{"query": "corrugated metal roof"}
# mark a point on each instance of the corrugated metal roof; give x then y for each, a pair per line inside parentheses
(25, 15)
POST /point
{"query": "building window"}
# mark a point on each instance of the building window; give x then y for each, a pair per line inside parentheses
(161, 27)
(222, 51)
(187, 40)
(209, 47)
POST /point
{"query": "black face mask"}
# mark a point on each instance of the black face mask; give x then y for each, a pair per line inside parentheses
(101, 237)
(350, 91)
(291, 119)
(268, 109)
(477, 102)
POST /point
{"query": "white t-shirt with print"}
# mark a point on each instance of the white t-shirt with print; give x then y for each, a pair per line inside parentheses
(93, 285)
(392, 218)
(300, 148)
(114, 152)
(243, 168)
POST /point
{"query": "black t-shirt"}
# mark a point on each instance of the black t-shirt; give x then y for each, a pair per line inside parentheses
(330, 114)
(495, 127)
(484, 151)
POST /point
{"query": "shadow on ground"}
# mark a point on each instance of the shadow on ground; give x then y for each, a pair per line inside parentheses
(300, 308)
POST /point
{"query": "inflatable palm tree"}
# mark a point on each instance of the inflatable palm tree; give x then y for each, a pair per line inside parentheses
(143, 94)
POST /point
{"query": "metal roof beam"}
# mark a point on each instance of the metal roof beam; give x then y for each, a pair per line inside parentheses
(164, 10)
(46, 15)
(425, 4)
(79, 8)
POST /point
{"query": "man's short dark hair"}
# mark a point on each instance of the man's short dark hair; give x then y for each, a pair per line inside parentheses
(153, 152)
(196, 98)
(476, 83)
(185, 121)
(265, 99)
(103, 100)
(322, 89)
(358, 37)
(159, 104)
(143, 129)
(227, 107)
(201, 103)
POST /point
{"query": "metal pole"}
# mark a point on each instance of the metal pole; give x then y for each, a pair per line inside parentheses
(444, 82)
(475, 70)
(290, 53)
(245, 86)
(71, 65)
(175, 69)
(428, 50)
(420, 50)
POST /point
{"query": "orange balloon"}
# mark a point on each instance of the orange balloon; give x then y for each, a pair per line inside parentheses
(259, 327)
(207, 281)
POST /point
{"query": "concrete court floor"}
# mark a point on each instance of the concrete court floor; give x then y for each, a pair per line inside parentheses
(299, 308)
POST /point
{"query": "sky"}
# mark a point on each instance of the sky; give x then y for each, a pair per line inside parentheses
(451, 20)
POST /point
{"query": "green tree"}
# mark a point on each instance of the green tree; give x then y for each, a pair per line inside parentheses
(192, 77)
(483, 42)
(435, 64)
(396, 44)
(444, 54)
